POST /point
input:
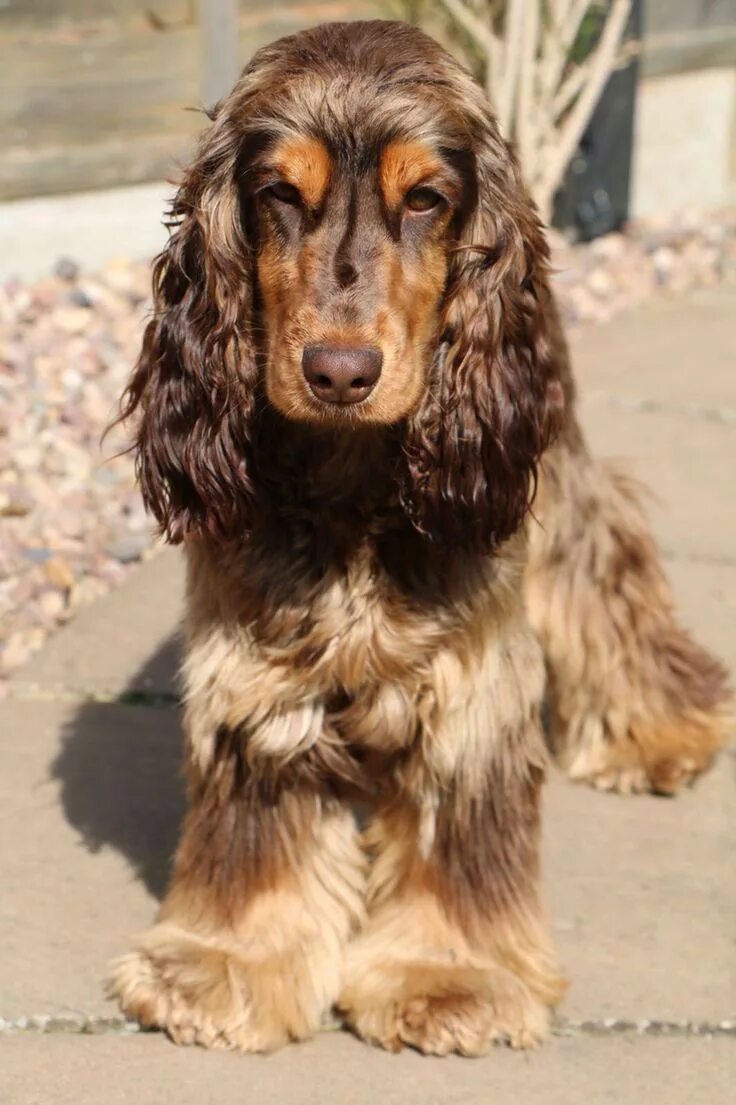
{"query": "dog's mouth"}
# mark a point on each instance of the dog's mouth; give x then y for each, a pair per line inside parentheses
(339, 413)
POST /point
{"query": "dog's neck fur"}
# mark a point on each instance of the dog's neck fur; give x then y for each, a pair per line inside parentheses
(335, 478)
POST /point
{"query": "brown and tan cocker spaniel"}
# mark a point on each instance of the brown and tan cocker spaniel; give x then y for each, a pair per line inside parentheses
(352, 386)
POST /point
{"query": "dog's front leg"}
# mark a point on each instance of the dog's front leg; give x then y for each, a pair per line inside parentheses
(247, 949)
(455, 954)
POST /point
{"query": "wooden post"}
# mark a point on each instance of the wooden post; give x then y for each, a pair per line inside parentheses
(218, 51)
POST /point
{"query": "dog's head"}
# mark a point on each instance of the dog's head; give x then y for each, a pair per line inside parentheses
(353, 246)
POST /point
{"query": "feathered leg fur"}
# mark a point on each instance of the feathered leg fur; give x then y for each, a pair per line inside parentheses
(635, 703)
(248, 947)
(455, 954)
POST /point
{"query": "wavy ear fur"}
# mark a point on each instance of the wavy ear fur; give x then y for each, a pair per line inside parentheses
(193, 388)
(495, 403)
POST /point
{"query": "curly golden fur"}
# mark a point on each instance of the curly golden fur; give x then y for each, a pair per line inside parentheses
(371, 604)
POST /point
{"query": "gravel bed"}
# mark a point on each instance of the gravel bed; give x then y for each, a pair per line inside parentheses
(71, 522)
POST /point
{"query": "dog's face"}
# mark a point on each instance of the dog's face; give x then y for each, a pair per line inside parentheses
(351, 271)
(352, 245)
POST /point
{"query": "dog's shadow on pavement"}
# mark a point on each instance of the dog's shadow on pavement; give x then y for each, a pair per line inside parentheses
(119, 768)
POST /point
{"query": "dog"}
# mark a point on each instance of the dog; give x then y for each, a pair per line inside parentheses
(354, 408)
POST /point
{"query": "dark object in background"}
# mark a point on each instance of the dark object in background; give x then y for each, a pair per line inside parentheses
(594, 198)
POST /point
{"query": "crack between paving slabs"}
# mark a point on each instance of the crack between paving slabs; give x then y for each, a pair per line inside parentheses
(31, 692)
(82, 1025)
(725, 416)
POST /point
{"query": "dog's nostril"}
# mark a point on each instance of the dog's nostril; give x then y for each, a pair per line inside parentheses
(341, 374)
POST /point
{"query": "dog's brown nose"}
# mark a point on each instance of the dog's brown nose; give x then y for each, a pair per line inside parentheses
(341, 374)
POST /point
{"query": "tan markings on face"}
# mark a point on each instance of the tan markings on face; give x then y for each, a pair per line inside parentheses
(404, 165)
(305, 163)
(395, 305)
(276, 276)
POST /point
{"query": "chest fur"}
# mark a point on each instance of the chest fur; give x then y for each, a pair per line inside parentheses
(289, 656)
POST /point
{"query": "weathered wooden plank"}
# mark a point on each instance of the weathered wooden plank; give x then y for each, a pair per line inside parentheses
(52, 78)
(47, 13)
(50, 91)
(105, 104)
(47, 170)
(685, 51)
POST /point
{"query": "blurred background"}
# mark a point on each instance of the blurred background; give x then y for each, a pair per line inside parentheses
(623, 113)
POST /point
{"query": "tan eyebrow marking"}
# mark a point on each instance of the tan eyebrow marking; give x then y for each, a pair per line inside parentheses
(305, 163)
(402, 166)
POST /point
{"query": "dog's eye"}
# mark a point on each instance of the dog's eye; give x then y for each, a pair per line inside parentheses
(285, 193)
(422, 199)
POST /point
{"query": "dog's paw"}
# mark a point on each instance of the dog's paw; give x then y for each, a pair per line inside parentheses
(440, 1009)
(654, 766)
(615, 777)
(203, 995)
(663, 778)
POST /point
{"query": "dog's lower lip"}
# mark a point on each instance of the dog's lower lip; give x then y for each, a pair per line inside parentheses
(341, 404)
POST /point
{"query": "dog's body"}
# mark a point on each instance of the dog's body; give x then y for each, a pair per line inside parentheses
(368, 590)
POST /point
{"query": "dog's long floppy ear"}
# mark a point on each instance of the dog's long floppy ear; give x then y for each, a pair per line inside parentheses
(495, 403)
(193, 389)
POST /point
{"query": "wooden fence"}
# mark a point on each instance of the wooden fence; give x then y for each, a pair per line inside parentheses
(96, 93)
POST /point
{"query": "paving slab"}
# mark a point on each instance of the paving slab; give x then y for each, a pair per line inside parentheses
(705, 594)
(676, 351)
(90, 799)
(126, 643)
(658, 393)
(686, 463)
(336, 1068)
(641, 893)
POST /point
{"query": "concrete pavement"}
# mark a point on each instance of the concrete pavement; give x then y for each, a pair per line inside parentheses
(641, 891)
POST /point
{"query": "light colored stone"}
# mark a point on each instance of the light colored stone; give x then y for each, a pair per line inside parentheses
(130, 547)
(58, 573)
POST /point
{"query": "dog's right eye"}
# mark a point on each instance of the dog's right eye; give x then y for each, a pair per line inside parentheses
(422, 199)
(285, 193)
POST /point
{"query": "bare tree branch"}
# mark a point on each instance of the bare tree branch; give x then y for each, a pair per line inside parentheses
(569, 89)
(526, 118)
(482, 34)
(472, 24)
(571, 23)
(543, 100)
(512, 48)
(602, 62)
